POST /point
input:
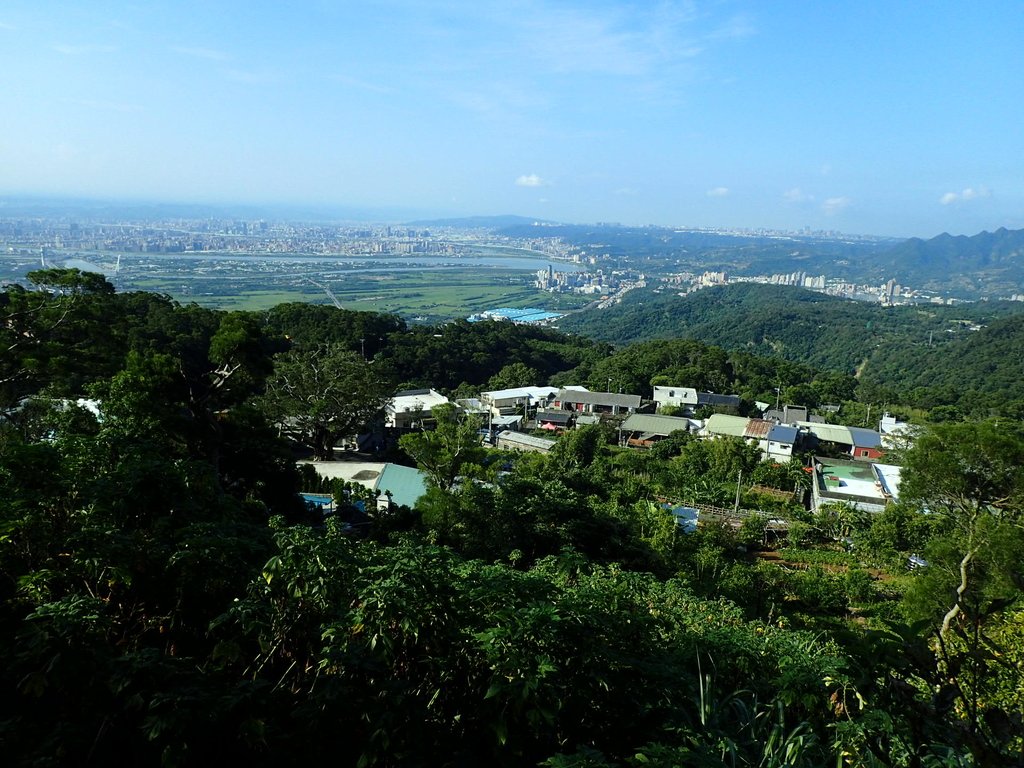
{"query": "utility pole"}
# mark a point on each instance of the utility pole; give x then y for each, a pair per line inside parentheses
(736, 506)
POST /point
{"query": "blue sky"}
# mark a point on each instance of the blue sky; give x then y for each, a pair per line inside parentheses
(871, 117)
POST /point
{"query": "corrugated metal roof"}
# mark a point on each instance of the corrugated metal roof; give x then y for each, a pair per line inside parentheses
(724, 424)
(830, 433)
(535, 393)
(554, 417)
(710, 398)
(783, 434)
(866, 438)
(758, 429)
(600, 398)
(655, 424)
(836, 433)
(406, 484)
(518, 438)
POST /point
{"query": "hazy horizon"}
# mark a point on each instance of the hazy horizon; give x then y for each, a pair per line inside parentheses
(875, 119)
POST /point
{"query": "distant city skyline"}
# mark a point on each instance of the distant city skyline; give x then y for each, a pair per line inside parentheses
(876, 118)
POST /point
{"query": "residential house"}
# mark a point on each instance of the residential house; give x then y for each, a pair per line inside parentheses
(775, 441)
(690, 399)
(473, 405)
(596, 402)
(677, 397)
(860, 443)
(411, 408)
(895, 433)
(862, 485)
(781, 442)
(789, 414)
(642, 430)
(521, 400)
(556, 421)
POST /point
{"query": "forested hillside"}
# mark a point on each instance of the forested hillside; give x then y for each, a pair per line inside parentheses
(922, 355)
(167, 598)
(978, 373)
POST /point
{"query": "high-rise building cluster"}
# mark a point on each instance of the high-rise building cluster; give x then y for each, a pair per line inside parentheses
(576, 282)
(799, 279)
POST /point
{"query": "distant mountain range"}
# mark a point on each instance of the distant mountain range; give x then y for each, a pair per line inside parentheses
(984, 263)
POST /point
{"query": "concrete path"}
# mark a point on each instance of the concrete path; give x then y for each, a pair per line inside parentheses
(351, 468)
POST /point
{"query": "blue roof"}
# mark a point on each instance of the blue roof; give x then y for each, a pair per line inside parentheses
(782, 434)
(406, 484)
(518, 315)
(866, 438)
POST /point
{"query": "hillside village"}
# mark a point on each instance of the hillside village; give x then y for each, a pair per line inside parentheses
(847, 464)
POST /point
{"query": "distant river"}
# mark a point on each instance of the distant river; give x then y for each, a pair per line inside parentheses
(509, 262)
(370, 263)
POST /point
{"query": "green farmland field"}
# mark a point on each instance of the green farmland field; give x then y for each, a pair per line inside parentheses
(427, 295)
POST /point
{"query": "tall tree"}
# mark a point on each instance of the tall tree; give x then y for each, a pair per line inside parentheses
(971, 475)
(445, 451)
(319, 394)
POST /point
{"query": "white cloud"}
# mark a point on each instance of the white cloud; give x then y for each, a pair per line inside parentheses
(202, 53)
(718, 192)
(573, 41)
(531, 180)
(641, 41)
(627, 191)
(834, 205)
(970, 193)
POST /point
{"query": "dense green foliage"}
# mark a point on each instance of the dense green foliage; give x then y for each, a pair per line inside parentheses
(922, 356)
(166, 598)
